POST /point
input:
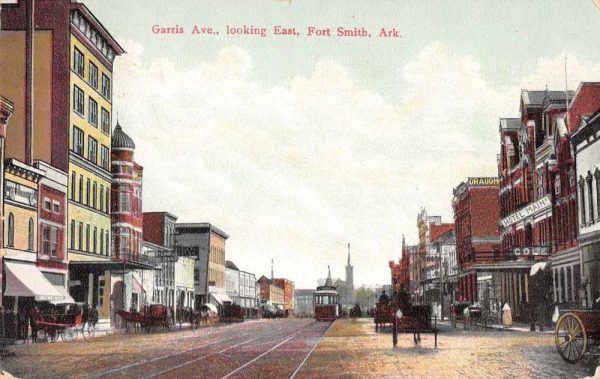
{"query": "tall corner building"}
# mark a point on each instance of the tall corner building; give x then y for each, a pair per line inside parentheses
(69, 54)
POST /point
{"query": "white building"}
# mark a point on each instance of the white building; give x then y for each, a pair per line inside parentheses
(232, 281)
(586, 145)
(184, 282)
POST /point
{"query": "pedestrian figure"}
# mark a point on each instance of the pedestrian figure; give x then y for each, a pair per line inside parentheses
(384, 299)
(506, 316)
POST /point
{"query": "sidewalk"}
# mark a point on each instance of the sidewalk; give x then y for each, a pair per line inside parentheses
(516, 327)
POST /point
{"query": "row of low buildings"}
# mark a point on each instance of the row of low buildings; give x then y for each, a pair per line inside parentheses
(529, 237)
(73, 226)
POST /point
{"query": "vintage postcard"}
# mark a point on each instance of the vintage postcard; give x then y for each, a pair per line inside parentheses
(299, 189)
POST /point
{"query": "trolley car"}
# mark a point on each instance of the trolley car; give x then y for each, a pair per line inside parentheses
(326, 302)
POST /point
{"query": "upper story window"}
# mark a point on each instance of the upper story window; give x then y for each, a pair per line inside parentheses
(92, 150)
(10, 231)
(92, 111)
(54, 241)
(590, 197)
(73, 181)
(78, 141)
(582, 200)
(124, 202)
(540, 183)
(105, 86)
(93, 75)
(78, 62)
(104, 157)
(30, 235)
(56, 206)
(78, 100)
(105, 121)
(101, 198)
(47, 204)
(557, 185)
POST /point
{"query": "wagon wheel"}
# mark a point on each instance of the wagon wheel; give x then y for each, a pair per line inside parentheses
(88, 330)
(570, 338)
(68, 334)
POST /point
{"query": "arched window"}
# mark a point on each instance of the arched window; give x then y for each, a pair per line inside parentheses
(30, 235)
(10, 231)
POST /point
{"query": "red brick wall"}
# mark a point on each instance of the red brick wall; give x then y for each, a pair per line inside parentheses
(587, 101)
(154, 227)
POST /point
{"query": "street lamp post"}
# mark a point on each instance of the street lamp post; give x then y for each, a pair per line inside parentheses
(441, 285)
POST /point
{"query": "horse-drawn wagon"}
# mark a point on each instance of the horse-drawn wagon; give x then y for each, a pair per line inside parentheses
(416, 320)
(575, 332)
(384, 314)
(152, 317)
(466, 313)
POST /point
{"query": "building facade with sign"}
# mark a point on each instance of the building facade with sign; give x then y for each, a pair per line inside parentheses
(586, 145)
(159, 245)
(527, 167)
(476, 213)
(207, 244)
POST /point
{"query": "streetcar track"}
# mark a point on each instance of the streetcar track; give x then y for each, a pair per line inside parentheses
(122, 369)
(267, 333)
(165, 356)
(291, 337)
(310, 352)
(198, 359)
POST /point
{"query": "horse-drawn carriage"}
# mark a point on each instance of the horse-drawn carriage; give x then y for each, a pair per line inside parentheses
(575, 332)
(384, 314)
(414, 320)
(232, 313)
(152, 317)
(66, 326)
(468, 314)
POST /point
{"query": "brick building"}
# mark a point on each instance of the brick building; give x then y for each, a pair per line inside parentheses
(571, 284)
(288, 294)
(476, 213)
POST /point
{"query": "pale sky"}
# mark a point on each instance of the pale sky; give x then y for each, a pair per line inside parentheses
(296, 146)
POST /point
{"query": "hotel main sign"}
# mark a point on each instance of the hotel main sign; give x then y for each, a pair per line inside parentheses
(540, 205)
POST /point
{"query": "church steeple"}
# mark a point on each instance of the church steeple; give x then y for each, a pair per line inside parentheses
(348, 255)
(328, 282)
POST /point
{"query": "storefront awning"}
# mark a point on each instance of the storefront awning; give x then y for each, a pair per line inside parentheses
(539, 266)
(67, 299)
(108, 265)
(211, 307)
(221, 298)
(26, 280)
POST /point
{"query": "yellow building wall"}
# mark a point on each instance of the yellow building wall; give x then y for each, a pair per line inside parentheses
(21, 218)
(216, 260)
(80, 211)
(12, 82)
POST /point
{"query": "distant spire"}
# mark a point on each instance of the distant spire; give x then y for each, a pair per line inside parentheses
(348, 254)
(272, 269)
(328, 282)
